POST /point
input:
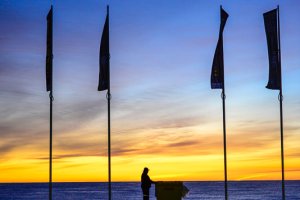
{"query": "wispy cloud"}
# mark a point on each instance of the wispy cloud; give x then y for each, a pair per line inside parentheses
(163, 111)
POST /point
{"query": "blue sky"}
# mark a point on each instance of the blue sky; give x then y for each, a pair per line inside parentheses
(161, 56)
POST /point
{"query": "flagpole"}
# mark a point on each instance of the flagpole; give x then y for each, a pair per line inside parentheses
(50, 146)
(108, 97)
(281, 115)
(51, 101)
(224, 143)
(224, 125)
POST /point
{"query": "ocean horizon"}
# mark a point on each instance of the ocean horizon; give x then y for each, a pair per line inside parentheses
(237, 190)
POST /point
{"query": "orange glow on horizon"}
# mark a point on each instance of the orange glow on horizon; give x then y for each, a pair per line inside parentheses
(245, 165)
(164, 114)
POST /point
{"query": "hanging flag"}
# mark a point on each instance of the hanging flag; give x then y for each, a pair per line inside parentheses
(270, 19)
(217, 72)
(104, 58)
(49, 51)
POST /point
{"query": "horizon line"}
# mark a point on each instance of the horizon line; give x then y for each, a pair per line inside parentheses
(267, 180)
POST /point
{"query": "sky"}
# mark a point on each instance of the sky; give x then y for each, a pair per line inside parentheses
(164, 115)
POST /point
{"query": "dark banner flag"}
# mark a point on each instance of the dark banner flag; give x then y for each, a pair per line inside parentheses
(49, 51)
(104, 58)
(217, 73)
(270, 19)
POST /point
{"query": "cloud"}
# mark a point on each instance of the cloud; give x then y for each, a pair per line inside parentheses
(162, 104)
(184, 143)
(6, 147)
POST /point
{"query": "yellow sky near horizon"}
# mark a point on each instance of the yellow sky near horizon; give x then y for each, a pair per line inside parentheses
(164, 114)
(193, 157)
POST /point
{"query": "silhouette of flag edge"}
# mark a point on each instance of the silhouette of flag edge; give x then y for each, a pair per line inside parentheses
(49, 50)
(217, 72)
(271, 29)
(104, 58)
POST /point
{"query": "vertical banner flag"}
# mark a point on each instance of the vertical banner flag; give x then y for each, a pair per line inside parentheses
(104, 58)
(270, 20)
(217, 73)
(49, 55)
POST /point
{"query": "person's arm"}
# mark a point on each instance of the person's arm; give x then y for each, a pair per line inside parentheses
(152, 181)
(149, 180)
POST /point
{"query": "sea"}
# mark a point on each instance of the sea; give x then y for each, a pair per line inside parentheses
(211, 190)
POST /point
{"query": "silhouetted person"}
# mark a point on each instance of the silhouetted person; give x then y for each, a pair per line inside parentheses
(146, 183)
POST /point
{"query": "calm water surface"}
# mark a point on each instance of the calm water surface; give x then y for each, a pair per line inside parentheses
(243, 190)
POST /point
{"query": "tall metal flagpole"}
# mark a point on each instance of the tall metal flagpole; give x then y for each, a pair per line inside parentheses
(108, 97)
(51, 101)
(281, 116)
(50, 146)
(224, 126)
(218, 82)
(224, 143)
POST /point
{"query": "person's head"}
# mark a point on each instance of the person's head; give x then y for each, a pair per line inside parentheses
(146, 170)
